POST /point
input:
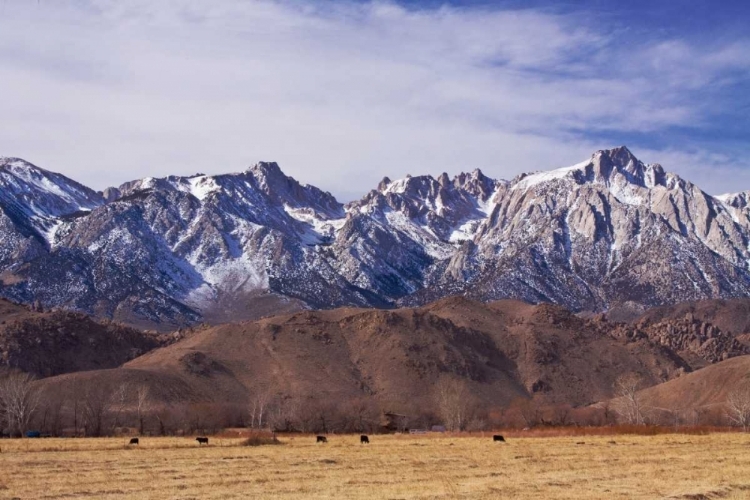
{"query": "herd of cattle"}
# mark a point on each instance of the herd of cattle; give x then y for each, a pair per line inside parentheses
(363, 439)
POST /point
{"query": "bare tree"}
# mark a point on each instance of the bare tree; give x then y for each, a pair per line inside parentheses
(607, 416)
(453, 402)
(559, 415)
(258, 408)
(530, 411)
(285, 413)
(167, 418)
(97, 405)
(738, 405)
(319, 415)
(18, 401)
(628, 404)
(119, 401)
(142, 405)
(74, 394)
(361, 415)
(50, 413)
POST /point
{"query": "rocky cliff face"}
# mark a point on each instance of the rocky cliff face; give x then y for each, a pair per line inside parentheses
(609, 230)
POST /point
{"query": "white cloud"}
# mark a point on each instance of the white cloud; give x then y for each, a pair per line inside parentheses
(340, 94)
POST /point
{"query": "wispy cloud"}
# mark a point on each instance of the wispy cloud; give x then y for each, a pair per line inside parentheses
(343, 93)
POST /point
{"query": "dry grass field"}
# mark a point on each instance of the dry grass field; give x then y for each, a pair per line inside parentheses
(392, 467)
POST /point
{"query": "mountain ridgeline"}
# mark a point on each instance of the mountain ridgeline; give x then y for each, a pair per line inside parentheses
(501, 350)
(182, 250)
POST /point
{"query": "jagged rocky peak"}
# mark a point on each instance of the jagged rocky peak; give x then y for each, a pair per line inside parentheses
(608, 164)
(286, 190)
(412, 196)
(270, 172)
(383, 184)
(266, 179)
(426, 187)
(616, 167)
(477, 184)
(421, 186)
(441, 211)
(737, 200)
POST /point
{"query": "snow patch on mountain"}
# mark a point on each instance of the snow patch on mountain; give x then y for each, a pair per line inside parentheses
(202, 186)
(319, 230)
(531, 180)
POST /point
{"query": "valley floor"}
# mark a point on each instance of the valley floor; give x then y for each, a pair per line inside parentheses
(391, 467)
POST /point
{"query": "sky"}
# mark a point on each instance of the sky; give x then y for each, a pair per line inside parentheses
(343, 93)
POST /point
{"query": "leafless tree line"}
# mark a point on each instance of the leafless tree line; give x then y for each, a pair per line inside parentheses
(458, 410)
(91, 409)
(283, 412)
(79, 409)
(85, 409)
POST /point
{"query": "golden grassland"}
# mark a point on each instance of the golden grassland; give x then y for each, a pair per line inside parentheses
(391, 467)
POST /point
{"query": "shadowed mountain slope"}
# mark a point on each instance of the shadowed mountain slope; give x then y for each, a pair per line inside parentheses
(57, 342)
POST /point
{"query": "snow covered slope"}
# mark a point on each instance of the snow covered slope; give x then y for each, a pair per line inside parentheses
(178, 249)
(33, 205)
(36, 199)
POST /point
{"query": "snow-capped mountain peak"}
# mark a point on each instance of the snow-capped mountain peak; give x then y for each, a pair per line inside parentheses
(63, 194)
(287, 191)
(35, 199)
(178, 248)
(617, 171)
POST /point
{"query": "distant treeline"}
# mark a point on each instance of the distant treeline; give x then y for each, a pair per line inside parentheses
(105, 410)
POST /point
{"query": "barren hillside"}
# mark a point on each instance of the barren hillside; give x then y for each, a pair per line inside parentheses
(502, 350)
(703, 389)
(55, 342)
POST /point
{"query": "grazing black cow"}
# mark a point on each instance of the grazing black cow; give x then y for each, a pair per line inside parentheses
(498, 437)
(134, 441)
(321, 439)
(202, 440)
(364, 439)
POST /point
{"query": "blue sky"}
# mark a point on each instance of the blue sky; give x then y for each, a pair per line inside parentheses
(342, 93)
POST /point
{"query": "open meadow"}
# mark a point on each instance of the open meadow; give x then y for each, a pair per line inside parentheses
(391, 467)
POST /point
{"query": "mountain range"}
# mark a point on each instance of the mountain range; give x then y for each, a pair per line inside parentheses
(608, 234)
